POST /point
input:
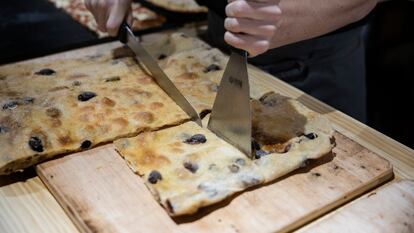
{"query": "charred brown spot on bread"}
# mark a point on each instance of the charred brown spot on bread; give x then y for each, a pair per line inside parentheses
(65, 140)
(156, 105)
(316, 174)
(311, 136)
(144, 116)
(188, 76)
(53, 112)
(86, 144)
(10, 105)
(86, 95)
(121, 121)
(212, 67)
(56, 122)
(108, 102)
(8, 123)
(113, 79)
(192, 167)
(151, 158)
(234, 168)
(196, 139)
(45, 72)
(36, 144)
(154, 177)
(162, 56)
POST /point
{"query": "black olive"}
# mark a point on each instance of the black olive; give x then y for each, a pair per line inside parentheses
(113, 79)
(311, 136)
(86, 144)
(212, 67)
(28, 100)
(259, 153)
(45, 71)
(10, 105)
(3, 129)
(192, 167)
(36, 144)
(154, 177)
(85, 96)
(196, 139)
(162, 56)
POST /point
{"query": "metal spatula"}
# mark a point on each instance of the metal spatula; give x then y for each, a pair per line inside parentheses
(231, 116)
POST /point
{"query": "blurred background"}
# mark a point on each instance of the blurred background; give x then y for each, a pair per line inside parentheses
(33, 28)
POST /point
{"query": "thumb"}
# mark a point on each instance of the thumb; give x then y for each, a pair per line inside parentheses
(116, 16)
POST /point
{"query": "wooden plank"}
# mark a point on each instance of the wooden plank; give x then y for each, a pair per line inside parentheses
(27, 206)
(101, 194)
(388, 209)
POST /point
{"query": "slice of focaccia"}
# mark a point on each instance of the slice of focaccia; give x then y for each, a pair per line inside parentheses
(181, 6)
(70, 105)
(187, 167)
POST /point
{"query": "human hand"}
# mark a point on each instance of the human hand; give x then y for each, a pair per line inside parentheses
(251, 24)
(109, 14)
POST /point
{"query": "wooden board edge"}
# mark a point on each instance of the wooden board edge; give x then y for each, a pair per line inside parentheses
(346, 198)
(73, 215)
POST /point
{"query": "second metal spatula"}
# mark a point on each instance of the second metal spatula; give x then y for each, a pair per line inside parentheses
(231, 116)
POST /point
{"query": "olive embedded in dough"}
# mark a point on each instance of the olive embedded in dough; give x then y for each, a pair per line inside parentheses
(3, 129)
(212, 67)
(311, 136)
(196, 139)
(85, 96)
(28, 100)
(162, 56)
(10, 105)
(154, 177)
(45, 71)
(36, 144)
(86, 144)
(192, 167)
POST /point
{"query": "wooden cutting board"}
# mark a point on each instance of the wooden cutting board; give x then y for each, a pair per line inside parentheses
(101, 194)
(388, 209)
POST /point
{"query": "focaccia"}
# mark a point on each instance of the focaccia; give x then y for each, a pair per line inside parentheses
(181, 6)
(187, 167)
(70, 105)
(143, 17)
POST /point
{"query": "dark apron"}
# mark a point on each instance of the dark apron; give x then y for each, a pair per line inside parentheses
(330, 68)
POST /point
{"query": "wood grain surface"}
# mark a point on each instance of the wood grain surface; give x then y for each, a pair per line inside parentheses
(388, 209)
(49, 217)
(101, 194)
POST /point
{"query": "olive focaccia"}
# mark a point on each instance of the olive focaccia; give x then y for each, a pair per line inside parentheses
(72, 104)
(187, 167)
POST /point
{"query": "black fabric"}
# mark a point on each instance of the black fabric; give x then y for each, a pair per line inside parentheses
(330, 68)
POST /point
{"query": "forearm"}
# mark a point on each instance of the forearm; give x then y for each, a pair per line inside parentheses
(305, 19)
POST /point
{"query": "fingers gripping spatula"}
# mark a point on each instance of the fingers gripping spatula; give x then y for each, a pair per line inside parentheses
(230, 117)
